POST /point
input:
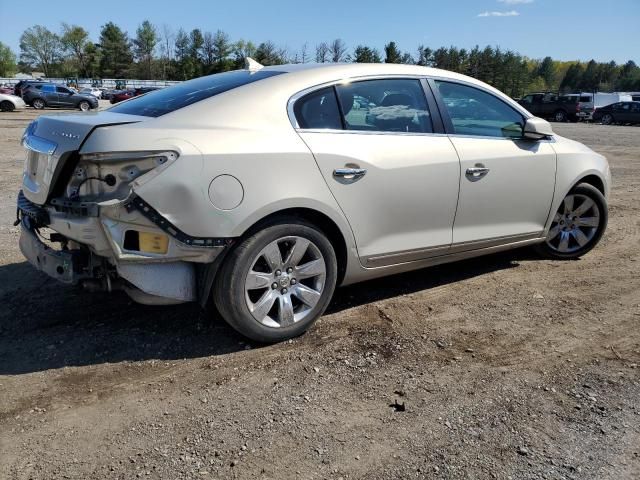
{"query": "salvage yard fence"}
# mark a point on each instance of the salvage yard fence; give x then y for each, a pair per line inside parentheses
(102, 83)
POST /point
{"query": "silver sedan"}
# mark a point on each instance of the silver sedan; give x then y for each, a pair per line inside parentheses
(263, 189)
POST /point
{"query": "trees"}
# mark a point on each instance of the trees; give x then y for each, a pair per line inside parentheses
(322, 53)
(40, 47)
(8, 65)
(184, 55)
(115, 47)
(145, 44)
(392, 53)
(338, 51)
(74, 41)
(268, 54)
(364, 54)
(185, 69)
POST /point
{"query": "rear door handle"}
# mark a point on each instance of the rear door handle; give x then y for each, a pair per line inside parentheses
(476, 173)
(350, 173)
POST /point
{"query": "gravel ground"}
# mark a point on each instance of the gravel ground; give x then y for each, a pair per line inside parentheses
(501, 367)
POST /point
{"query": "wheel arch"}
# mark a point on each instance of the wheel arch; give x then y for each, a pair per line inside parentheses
(316, 218)
(593, 180)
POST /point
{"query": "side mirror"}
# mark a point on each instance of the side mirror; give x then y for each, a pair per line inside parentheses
(536, 129)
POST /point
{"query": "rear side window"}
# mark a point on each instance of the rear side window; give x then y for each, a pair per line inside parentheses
(385, 105)
(170, 99)
(476, 112)
(318, 110)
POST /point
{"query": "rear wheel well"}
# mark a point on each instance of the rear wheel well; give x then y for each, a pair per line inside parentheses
(320, 221)
(594, 181)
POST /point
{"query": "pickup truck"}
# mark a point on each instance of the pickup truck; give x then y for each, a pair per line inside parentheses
(550, 105)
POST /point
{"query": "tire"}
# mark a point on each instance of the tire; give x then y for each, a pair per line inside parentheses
(578, 225)
(263, 305)
(560, 116)
(84, 106)
(607, 119)
(38, 104)
(7, 106)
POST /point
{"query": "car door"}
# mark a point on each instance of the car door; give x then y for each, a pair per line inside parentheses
(49, 94)
(507, 182)
(395, 178)
(65, 97)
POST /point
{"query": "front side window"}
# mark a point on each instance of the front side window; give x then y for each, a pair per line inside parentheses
(386, 105)
(167, 100)
(528, 99)
(479, 113)
(318, 110)
(62, 90)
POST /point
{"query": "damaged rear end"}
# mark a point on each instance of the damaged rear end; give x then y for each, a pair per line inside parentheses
(83, 223)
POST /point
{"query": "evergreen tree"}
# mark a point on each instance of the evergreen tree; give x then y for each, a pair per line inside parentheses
(115, 50)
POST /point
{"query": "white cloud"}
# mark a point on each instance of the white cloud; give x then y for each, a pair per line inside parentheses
(511, 13)
(515, 2)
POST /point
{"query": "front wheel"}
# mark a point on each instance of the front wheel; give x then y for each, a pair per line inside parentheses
(84, 106)
(39, 104)
(277, 282)
(578, 225)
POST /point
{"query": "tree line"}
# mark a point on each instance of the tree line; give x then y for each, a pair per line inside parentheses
(162, 53)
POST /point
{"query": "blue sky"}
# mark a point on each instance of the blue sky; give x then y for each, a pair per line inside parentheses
(563, 29)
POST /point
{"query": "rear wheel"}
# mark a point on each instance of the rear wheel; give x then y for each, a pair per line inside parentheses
(276, 283)
(560, 116)
(578, 225)
(7, 106)
(84, 106)
(607, 119)
(39, 104)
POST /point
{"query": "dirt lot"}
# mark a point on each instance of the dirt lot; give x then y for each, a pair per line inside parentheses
(507, 366)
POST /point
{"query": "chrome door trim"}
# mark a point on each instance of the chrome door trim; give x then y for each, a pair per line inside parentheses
(495, 241)
(408, 256)
(405, 256)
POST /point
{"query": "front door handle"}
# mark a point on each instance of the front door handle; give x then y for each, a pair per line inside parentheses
(476, 173)
(350, 173)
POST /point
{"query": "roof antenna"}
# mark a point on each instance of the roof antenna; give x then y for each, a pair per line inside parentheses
(251, 65)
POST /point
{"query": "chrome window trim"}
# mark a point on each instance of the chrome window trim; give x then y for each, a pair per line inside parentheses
(297, 96)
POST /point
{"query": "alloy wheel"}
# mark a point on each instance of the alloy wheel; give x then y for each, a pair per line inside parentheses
(285, 281)
(574, 225)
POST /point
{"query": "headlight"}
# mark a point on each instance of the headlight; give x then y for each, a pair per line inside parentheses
(108, 176)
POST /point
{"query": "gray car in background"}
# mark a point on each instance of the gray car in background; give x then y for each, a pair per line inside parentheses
(263, 189)
(43, 95)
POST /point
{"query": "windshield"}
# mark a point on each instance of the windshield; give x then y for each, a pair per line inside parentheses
(161, 102)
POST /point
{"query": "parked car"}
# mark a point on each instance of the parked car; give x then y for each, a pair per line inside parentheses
(96, 92)
(7, 90)
(143, 90)
(119, 96)
(263, 189)
(51, 95)
(621, 112)
(550, 105)
(9, 103)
